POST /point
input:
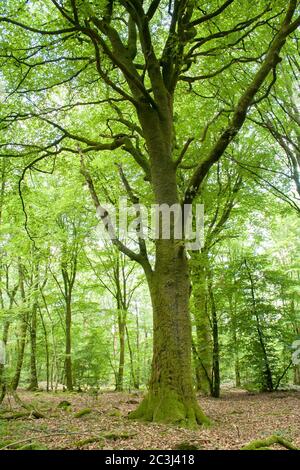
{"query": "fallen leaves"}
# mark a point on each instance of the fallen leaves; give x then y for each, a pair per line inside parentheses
(238, 418)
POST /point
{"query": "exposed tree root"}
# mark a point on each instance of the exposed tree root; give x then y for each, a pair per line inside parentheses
(170, 409)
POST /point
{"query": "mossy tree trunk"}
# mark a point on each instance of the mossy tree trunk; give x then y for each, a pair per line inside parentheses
(171, 396)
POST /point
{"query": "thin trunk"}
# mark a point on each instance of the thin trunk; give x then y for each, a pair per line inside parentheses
(33, 331)
(2, 366)
(132, 371)
(297, 375)
(121, 330)
(68, 270)
(266, 372)
(203, 356)
(68, 358)
(6, 326)
(215, 330)
(33, 372)
(47, 353)
(23, 333)
(2, 186)
(138, 367)
(235, 344)
(21, 350)
(54, 361)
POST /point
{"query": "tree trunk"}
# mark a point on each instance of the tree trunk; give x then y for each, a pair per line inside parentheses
(202, 322)
(23, 332)
(297, 375)
(121, 327)
(2, 366)
(215, 391)
(21, 349)
(137, 371)
(46, 351)
(235, 343)
(267, 377)
(134, 374)
(171, 396)
(33, 373)
(68, 358)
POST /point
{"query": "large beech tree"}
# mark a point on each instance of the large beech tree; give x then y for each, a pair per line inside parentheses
(141, 57)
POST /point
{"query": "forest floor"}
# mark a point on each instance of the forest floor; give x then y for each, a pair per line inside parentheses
(238, 417)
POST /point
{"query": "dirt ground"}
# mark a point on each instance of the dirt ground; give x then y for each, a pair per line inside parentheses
(238, 417)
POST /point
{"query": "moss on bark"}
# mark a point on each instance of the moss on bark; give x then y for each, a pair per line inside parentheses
(168, 407)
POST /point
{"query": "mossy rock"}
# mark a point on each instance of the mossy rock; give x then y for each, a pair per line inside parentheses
(186, 446)
(33, 446)
(116, 413)
(89, 440)
(64, 405)
(83, 412)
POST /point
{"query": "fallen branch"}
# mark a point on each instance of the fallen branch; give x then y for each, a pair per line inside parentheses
(23, 414)
(264, 444)
(41, 436)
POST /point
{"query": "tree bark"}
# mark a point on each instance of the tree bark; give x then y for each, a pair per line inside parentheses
(21, 350)
(216, 381)
(267, 383)
(23, 333)
(121, 327)
(234, 336)
(68, 358)
(33, 331)
(297, 375)
(171, 396)
(33, 372)
(203, 328)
